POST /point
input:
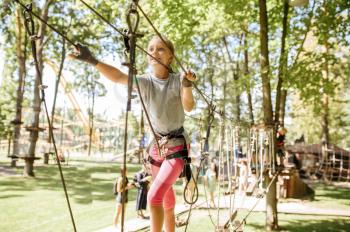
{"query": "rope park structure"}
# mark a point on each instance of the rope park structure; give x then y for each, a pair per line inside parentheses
(257, 142)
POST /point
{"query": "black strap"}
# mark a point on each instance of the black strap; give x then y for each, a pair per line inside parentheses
(175, 133)
(180, 154)
(183, 154)
(154, 162)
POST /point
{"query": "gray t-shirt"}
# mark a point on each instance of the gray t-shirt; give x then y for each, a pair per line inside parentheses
(162, 99)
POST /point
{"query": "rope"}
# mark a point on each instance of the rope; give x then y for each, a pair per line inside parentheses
(221, 132)
(30, 28)
(122, 33)
(259, 196)
(29, 10)
(132, 19)
(195, 193)
(208, 205)
(204, 96)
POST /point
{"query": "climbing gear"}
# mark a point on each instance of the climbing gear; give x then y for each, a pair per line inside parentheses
(132, 19)
(183, 154)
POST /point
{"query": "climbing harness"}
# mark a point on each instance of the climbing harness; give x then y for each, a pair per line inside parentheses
(182, 154)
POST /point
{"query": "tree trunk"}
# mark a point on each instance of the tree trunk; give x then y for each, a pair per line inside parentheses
(21, 59)
(271, 200)
(282, 111)
(34, 132)
(282, 63)
(325, 121)
(264, 63)
(246, 73)
(238, 96)
(325, 102)
(91, 116)
(284, 92)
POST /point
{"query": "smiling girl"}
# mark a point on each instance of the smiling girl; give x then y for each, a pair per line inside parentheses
(166, 95)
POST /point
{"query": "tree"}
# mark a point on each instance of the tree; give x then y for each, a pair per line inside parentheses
(21, 42)
(34, 127)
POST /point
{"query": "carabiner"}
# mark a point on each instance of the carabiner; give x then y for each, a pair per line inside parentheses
(133, 11)
(28, 22)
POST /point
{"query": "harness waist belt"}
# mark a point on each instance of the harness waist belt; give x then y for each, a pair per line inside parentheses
(183, 154)
(173, 134)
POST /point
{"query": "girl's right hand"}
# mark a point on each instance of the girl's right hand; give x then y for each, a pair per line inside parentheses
(83, 53)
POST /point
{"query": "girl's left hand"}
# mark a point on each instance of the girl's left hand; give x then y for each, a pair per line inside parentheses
(190, 75)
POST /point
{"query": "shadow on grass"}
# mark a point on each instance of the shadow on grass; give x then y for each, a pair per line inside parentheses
(333, 192)
(82, 185)
(11, 196)
(317, 225)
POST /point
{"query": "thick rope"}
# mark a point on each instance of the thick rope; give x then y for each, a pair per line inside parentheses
(260, 196)
(47, 24)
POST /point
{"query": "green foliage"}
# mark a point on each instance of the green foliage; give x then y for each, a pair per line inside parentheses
(7, 101)
(197, 28)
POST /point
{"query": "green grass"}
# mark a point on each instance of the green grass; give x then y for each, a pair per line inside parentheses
(341, 197)
(287, 222)
(38, 204)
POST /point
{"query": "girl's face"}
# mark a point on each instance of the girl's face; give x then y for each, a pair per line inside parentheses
(159, 51)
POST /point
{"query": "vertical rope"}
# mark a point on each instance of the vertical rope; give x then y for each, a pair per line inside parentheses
(261, 150)
(221, 131)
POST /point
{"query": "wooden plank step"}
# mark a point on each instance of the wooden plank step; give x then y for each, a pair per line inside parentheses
(23, 157)
(31, 128)
(251, 188)
(224, 225)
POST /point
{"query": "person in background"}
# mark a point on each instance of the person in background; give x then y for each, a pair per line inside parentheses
(211, 178)
(243, 176)
(280, 137)
(142, 180)
(118, 190)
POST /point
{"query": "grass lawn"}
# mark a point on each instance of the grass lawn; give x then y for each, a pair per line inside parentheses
(287, 222)
(38, 204)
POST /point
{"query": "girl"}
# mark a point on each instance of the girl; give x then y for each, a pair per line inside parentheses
(211, 177)
(166, 96)
(118, 191)
(243, 176)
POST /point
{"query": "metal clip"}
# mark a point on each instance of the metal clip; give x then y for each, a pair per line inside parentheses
(42, 87)
(28, 22)
(164, 140)
(133, 23)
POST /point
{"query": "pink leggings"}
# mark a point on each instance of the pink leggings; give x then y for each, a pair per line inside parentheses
(161, 191)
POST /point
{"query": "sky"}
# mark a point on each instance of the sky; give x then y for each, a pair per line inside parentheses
(110, 105)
